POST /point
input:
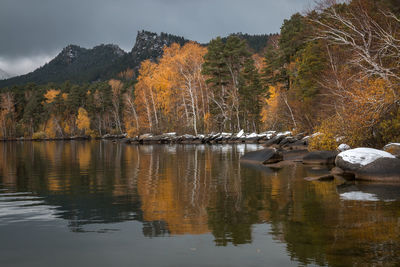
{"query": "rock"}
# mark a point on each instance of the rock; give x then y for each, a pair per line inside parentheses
(327, 177)
(285, 141)
(152, 139)
(285, 134)
(337, 171)
(352, 160)
(343, 147)
(264, 156)
(300, 144)
(295, 155)
(320, 157)
(299, 136)
(126, 141)
(382, 170)
(240, 134)
(274, 140)
(291, 143)
(393, 148)
(106, 136)
(143, 136)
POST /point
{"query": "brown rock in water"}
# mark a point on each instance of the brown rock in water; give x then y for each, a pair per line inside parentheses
(264, 156)
(381, 170)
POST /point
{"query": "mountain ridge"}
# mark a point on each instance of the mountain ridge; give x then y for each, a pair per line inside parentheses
(78, 64)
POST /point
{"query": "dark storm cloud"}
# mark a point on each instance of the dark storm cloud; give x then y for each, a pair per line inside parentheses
(37, 29)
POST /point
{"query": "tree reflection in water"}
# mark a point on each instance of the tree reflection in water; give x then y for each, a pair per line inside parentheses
(178, 190)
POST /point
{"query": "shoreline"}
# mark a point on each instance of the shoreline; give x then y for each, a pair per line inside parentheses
(172, 138)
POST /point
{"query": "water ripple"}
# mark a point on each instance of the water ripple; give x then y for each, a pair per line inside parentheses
(23, 206)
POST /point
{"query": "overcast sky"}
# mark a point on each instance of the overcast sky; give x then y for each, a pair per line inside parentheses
(34, 31)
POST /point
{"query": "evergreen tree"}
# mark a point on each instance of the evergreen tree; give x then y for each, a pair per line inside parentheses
(250, 91)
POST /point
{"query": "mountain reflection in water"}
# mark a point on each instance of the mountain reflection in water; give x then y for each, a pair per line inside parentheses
(193, 190)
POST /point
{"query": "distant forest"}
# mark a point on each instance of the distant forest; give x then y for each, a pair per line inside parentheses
(334, 70)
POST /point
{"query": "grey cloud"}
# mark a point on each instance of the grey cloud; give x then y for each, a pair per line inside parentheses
(38, 28)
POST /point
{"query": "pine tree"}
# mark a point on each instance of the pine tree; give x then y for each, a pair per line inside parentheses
(251, 92)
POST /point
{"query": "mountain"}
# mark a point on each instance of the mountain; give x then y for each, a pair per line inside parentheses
(73, 63)
(78, 64)
(4, 75)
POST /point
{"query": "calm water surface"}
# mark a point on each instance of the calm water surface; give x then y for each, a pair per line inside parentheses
(104, 204)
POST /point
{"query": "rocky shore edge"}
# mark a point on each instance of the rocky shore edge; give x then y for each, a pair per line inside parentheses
(360, 164)
(268, 138)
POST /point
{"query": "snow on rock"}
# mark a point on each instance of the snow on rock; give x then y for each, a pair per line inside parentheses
(343, 147)
(170, 134)
(226, 134)
(358, 196)
(270, 134)
(240, 134)
(287, 133)
(252, 135)
(363, 155)
(396, 144)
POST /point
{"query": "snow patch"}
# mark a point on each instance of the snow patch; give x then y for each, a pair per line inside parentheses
(226, 134)
(287, 133)
(358, 196)
(240, 134)
(343, 147)
(363, 155)
(252, 135)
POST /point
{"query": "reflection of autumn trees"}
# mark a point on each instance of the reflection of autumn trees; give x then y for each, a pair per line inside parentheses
(320, 228)
(202, 189)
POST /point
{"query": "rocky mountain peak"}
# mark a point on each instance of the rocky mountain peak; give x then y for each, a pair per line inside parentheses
(150, 45)
(70, 53)
(115, 49)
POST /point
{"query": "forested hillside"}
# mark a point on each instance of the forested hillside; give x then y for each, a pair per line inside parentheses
(79, 65)
(333, 70)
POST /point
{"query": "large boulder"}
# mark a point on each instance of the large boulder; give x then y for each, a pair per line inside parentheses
(264, 156)
(352, 160)
(382, 170)
(393, 148)
(320, 157)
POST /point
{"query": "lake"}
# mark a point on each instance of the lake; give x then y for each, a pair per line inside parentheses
(99, 203)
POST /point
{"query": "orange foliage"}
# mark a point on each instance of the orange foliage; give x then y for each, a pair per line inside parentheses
(83, 121)
(172, 94)
(50, 95)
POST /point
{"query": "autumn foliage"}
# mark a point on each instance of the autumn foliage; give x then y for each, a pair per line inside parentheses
(334, 70)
